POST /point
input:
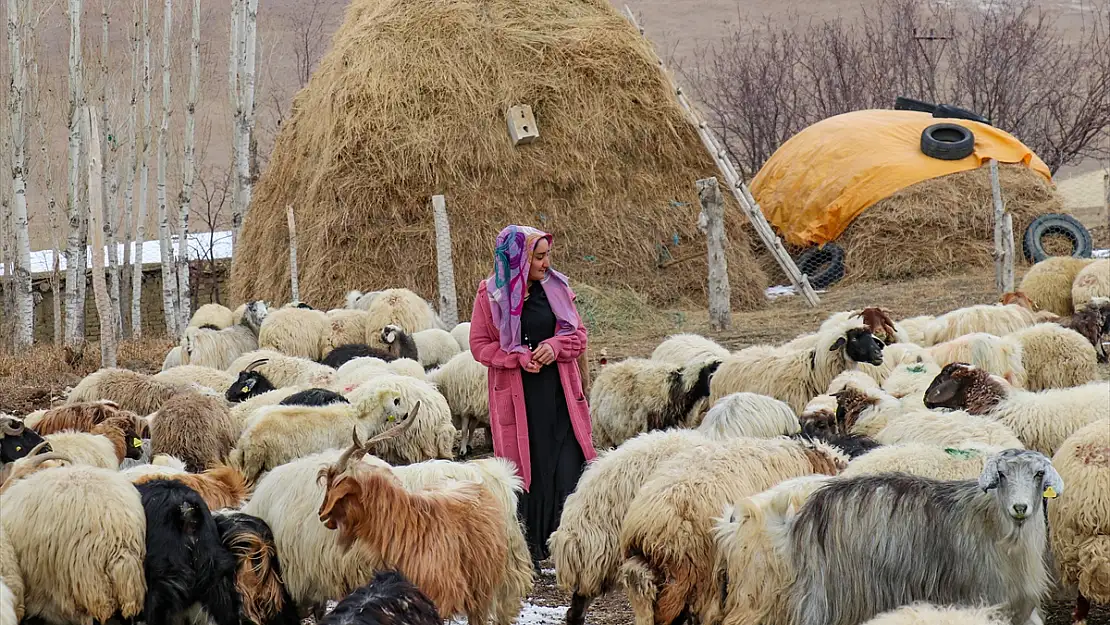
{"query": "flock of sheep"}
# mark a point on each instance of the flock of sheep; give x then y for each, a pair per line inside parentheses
(880, 471)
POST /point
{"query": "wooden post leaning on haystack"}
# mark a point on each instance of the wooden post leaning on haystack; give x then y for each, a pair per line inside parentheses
(448, 299)
(1003, 237)
(293, 282)
(735, 182)
(104, 308)
(713, 216)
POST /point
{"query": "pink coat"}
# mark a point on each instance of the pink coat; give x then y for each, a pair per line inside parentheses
(508, 422)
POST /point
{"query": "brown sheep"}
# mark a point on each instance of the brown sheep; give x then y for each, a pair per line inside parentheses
(196, 428)
(85, 416)
(219, 487)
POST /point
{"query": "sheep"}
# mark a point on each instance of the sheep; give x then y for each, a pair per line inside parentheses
(962, 462)
(94, 450)
(1080, 519)
(185, 562)
(130, 390)
(37, 460)
(908, 381)
(446, 539)
(638, 395)
(218, 348)
(916, 328)
(986, 351)
(346, 352)
(431, 436)
(220, 487)
(431, 347)
(1091, 282)
(796, 375)
(80, 540)
(358, 371)
(357, 300)
(666, 536)
(461, 332)
(197, 429)
(215, 379)
(389, 599)
(864, 545)
(893, 356)
(216, 315)
(8, 605)
(297, 332)
(927, 614)
(12, 581)
(586, 546)
(243, 411)
(987, 318)
(1049, 283)
(345, 327)
(261, 595)
(464, 383)
(314, 397)
(399, 307)
(752, 565)
(172, 359)
(679, 349)
(748, 414)
(281, 370)
(1093, 323)
(16, 439)
(1054, 357)
(1042, 420)
(84, 417)
(398, 343)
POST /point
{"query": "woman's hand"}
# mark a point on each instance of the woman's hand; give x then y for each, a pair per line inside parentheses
(532, 366)
(544, 355)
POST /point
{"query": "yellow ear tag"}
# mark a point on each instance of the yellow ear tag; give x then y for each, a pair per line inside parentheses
(136, 442)
(18, 448)
(246, 389)
(1050, 493)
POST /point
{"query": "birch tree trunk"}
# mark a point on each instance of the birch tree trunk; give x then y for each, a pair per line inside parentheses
(108, 188)
(246, 106)
(186, 199)
(24, 301)
(132, 166)
(169, 277)
(75, 262)
(233, 88)
(141, 200)
(96, 239)
(55, 231)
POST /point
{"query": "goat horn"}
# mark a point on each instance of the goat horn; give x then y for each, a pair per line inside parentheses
(11, 474)
(346, 457)
(7, 427)
(257, 363)
(397, 430)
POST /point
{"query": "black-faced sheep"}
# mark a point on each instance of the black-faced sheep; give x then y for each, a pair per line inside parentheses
(865, 545)
(16, 440)
(195, 428)
(637, 395)
(398, 343)
(186, 562)
(389, 599)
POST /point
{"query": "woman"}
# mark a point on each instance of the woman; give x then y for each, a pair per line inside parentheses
(526, 329)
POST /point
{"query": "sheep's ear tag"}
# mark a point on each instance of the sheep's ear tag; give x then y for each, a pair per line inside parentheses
(136, 442)
(391, 418)
(1050, 493)
(246, 389)
(18, 448)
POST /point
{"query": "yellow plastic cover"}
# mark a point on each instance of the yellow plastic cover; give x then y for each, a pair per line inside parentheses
(822, 178)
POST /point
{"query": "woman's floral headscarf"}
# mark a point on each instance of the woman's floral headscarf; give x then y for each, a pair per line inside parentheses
(511, 260)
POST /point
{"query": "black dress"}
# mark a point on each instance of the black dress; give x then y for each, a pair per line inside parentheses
(556, 458)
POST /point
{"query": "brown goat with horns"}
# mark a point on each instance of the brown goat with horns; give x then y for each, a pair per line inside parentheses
(444, 539)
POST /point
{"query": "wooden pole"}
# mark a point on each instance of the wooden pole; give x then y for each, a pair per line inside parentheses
(1003, 237)
(96, 241)
(736, 184)
(293, 283)
(713, 210)
(448, 299)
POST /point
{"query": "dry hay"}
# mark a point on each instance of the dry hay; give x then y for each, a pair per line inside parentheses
(410, 102)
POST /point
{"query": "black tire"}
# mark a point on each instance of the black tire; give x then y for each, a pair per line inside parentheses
(828, 261)
(909, 104)
(947, 142)
(1032, 244)
(955, 112)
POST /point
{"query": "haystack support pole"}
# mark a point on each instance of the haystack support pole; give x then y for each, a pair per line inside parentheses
(713, 216)
(1003, 237)
(448, 299)
(293, 282)
(735, 182)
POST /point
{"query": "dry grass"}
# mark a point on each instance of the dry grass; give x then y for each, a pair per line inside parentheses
(410, 102)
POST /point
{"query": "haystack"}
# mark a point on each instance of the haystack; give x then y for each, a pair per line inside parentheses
(410, 101)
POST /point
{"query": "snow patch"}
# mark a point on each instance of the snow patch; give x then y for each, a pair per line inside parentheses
(531, 614)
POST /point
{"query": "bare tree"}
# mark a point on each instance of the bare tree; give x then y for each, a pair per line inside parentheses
(24, 300)
(108, 186)
(132, 170)
(186, 198)
(244, 83)
(216, 191)
(308, 22)
(75, 253)
(234, 70)
(96, 235)
(142, 197)
(169, 276)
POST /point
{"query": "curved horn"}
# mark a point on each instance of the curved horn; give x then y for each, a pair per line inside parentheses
(396, 430)
(258, 363)
(11, 427)
(10, 473)
(355, 448)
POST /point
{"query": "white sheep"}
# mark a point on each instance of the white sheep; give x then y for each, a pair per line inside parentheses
(8, 605)
(679, 349)
(172, 359)
(1055, 357)
(294, 331)
(215, 379)
(399, 307)
(1091, 282)
(282, 370)
(1049, 283)
(1042, 420)
(218, 348)
(748, 414)
(916, 328)
(963, 462)
(461, 333)
(893, 355)
(357, 371)
(910, 379)
(638, 395)
(464, 383)
(986, 351)
(12, 580)
(242, 412)
(83, 448)
(345, 327)
(431, 436)
(927, 614)
(993, 319)
(216, 315)
(357, 300)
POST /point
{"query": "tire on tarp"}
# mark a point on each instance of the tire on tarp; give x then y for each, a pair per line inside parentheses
(947, 142)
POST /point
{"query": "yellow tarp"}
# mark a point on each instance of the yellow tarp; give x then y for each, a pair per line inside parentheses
(826, 175)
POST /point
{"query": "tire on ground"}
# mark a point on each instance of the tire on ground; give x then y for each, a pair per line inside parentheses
(824, 265)
(1032, 243)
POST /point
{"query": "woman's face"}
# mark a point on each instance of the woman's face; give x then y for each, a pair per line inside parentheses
(541, 261)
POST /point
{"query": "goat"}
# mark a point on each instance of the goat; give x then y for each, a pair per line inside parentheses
(389, 599)
(250, 383)
(349, 351)
(17, 440)
(262, 598)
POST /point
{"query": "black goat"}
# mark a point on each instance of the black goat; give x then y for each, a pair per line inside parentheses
(350, 351)
(853, 445)
(314, 397)
(401, 344)
(186, 562)
(249, 383)
(389, 599)
(17, 440)
(260, 594)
